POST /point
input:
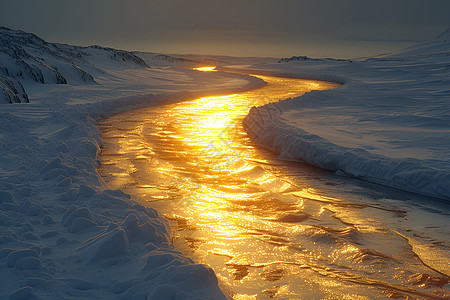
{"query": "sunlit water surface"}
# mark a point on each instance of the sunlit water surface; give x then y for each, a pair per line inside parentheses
(270, 228)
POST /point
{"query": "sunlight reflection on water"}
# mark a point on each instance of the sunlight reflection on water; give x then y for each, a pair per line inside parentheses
(206, 69)
(264, 235)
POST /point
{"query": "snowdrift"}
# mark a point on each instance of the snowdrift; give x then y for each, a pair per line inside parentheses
(388, 123)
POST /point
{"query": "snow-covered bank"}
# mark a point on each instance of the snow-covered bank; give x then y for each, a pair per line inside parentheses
(388, 123)
(64, 233)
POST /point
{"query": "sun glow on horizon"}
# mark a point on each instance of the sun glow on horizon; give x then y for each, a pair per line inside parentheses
(206, 69)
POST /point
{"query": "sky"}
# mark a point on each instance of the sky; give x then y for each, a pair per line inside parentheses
(280, 28)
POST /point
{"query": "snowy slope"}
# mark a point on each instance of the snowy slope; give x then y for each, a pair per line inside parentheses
(389, 123)
(63, 233)
(25, 57)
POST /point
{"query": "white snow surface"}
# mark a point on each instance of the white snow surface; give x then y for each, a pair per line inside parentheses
(63, 233)
(388, 123)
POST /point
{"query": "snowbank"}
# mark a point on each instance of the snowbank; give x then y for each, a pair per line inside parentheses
(64, 233)
(388, 123)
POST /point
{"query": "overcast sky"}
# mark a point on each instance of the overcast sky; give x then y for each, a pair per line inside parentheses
(317, 28)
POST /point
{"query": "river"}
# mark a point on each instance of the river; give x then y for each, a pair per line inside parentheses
(271, 228)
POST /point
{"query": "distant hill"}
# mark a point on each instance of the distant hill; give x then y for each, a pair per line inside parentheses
(26, 58)
(439, 46)
(306, 58)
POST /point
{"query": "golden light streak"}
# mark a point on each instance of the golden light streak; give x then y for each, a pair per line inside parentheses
(193, 160)
(206, 69)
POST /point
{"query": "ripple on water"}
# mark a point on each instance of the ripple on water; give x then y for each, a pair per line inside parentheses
(268, 228)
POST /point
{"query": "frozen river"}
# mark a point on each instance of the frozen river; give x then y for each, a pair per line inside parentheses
(271, 228)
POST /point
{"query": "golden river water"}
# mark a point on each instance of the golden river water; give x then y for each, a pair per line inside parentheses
(271, 228)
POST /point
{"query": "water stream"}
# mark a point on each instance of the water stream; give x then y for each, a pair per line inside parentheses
(271, 228)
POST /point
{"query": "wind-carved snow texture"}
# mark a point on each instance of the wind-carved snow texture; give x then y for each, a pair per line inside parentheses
(63, 232)
(26, 57)
(388, 123)
(12, 91)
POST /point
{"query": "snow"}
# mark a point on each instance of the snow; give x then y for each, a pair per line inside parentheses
(388, 123)
(63, 232)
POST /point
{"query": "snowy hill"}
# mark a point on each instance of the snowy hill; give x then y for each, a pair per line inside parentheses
(24, 57)
(437, 47)
(388, 123)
